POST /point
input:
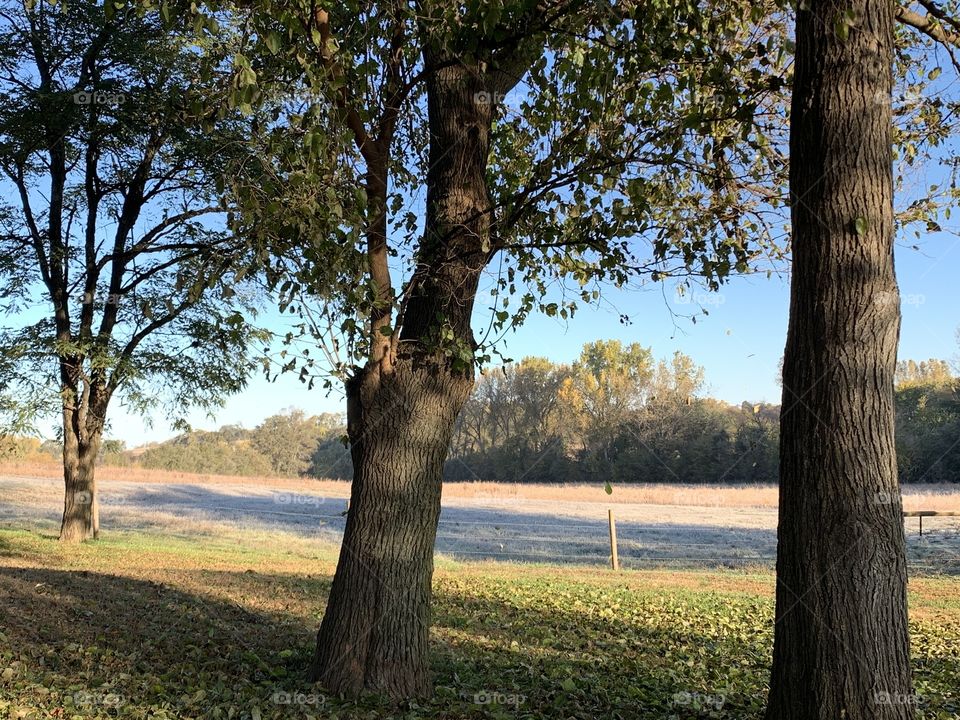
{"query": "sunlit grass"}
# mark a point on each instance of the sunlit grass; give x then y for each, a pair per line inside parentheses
(140, 625)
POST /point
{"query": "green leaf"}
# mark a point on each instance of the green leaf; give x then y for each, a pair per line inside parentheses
(273, 42)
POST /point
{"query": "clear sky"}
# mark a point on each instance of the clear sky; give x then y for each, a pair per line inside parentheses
(739, 343)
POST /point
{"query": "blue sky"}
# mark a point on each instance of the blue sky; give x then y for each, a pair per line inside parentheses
(739, 343)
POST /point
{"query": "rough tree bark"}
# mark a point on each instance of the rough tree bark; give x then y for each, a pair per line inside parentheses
(401, 409)
(84, 418)
(841, 646)
(81, 512)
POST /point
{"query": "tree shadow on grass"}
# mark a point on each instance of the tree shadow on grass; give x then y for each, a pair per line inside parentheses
(113, 646)
(208, 643)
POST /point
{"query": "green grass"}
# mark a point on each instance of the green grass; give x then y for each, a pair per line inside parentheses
(142, 626)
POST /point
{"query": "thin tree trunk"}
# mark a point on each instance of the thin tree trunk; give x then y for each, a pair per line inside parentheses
(841, 647)
(401, 414)
(81, 512)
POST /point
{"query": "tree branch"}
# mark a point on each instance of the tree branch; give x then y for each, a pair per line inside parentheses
(928, 27)
(343, 100)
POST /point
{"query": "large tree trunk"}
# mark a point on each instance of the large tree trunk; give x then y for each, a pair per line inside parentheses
(401, 412)
(375, 631)
(81, 512)
(841, 646)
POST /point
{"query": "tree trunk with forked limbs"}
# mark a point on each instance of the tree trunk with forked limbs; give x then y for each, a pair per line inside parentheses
(401, 409)
(841, 646)
(109, 231)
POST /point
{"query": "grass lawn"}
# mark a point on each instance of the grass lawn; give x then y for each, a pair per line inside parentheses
(144, 626)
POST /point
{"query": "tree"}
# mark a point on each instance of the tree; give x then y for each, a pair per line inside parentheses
(207, 452)
(607, 385)
(926, 372)
(928, 422)
(624, 159)
(511, 428)
(841, 645)
(536, 421)
(677, 381)
(755, 448)
(114, 134)
(289, 441)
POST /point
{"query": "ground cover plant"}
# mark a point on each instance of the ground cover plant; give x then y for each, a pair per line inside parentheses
(152, 627)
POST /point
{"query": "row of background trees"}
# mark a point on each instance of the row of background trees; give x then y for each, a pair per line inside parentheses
(288, 444)
(618, 415)
(614, 415)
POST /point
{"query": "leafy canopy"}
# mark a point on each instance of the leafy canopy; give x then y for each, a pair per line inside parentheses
(632, 145)
(118, 271)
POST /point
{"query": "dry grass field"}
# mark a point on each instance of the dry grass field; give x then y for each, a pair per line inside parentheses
(658, 526)
(915, 497)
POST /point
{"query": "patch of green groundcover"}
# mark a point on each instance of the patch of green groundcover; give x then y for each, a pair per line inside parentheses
(174, 630)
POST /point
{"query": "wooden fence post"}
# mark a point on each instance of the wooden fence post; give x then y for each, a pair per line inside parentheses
(614, 558)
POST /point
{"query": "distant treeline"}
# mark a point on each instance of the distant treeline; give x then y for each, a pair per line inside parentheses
(284, 445)
(615, 415)
(928, 422)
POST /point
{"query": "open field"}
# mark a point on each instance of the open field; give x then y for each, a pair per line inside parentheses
(915, 497)
(471, 528)
(141, 626)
